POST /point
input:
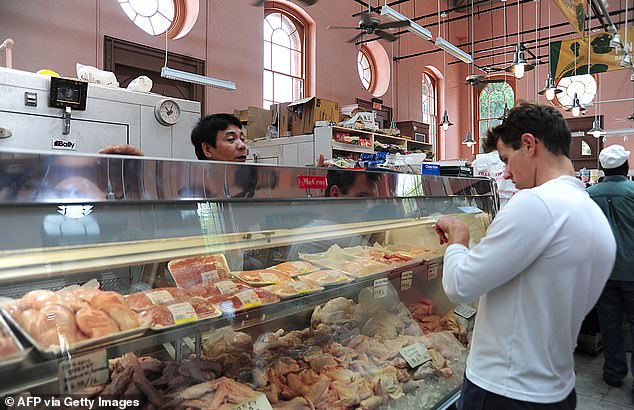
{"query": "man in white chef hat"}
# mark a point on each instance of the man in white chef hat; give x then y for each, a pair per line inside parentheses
(615, 196)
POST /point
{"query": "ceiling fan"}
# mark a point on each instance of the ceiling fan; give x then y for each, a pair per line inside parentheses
(480, 80)
(370, 24)
(259, 3)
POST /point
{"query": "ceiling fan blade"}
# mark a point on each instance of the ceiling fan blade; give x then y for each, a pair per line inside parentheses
(341, 28)
(356, 38)
(258, 3)
(393, 24)
(308, 2)
(385, 35)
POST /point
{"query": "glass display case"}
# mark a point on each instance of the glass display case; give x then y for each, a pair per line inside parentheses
(193, 284)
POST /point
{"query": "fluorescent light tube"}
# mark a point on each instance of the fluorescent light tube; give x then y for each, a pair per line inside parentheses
(453, 50)
(413, 27)
(173, 74)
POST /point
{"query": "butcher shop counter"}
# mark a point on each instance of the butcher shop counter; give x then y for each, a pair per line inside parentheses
(149, 278)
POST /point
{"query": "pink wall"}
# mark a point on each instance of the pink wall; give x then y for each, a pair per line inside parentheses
(228, 35)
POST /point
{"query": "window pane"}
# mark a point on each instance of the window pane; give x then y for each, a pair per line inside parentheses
(266, 104)
(296, 41)
(298, 89)
(281, 59)
(275, 20)
(166, 8)
(267, 55)
(268, 30)
(282, 88)
(280, 37)
(160, 23)
(296, 64)
(268, 85)
(144, 24)
(585, 149)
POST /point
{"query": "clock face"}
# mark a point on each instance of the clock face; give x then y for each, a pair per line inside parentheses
(585, 86)
(167, 112)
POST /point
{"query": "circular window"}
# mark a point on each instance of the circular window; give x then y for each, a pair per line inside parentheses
(585, 86)
(155, 17)
(364, 67)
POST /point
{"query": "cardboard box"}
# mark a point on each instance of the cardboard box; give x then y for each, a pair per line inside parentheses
(281, 117)
(306, 111)
(255, 120)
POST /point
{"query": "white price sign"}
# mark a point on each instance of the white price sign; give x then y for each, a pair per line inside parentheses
(380, 288)
(209, 276)
(259, 402)
(465, 311)
(415, 354)
(83, 371)
(406, 280)
(432, 271)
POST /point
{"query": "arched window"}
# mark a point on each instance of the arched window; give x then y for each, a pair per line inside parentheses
(155, 17)
(491, 105)
(366, 69)
(284, 62)
(430, 106)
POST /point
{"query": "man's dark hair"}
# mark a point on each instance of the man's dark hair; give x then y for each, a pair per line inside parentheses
(544, 122)
(345, 179)
(622, 169)
(207, 130)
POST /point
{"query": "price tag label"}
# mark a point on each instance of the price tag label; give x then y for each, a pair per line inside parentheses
(466, 311)
(159, 296)
(269, 277)
(380, 288)
(83, 371)
(406, 280)
(209, 276)
(226, 287)
(415, 354)
(259, 402)
(432, 271)
(183, 313)
(248, 298)
(299, 286)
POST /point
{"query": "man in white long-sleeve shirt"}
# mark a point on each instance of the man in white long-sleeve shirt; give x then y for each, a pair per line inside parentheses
(538, 271)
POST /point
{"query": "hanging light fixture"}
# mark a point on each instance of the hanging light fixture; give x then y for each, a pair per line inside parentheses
(550, 89)
(615, 41)
(520, 65)
(596, 131)
(576, 107)
(505, 115)
(445, 123)
(469, 141)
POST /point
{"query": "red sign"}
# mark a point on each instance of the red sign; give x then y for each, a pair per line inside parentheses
(312, 182)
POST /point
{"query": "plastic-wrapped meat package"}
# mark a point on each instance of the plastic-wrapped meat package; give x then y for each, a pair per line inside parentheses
(262, 277)
(246, 299)
(9, 346)
(181, 311)
(188, 272)
(217, 289)
(142, 301)
(295, 268)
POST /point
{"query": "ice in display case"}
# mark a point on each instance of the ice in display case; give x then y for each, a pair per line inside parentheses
(196, 284)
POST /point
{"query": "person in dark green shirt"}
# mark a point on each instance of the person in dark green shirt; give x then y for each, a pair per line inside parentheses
(615, 196)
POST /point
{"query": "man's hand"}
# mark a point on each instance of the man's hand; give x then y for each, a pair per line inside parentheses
(121, 149)
(452, 230)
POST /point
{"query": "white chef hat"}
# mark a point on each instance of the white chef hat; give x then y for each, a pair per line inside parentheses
(613, 156)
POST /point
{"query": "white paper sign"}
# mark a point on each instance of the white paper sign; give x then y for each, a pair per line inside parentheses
(380, 288)
(259, 402)
(183, 313)
(226, 287)
(406, 280)
(82, 371)
(269, 277)
(470, 209)
(159, 296)
(432, 271)
(209, 276)
(465, 311)
(299, 286)
(248, 298)
(415, 354)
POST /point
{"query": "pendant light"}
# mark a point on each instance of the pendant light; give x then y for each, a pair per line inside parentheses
(469, 141)
(576, 106)
(596, 131)
(505, 115)
(549, 89)
(445, 123)
(520, 65)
